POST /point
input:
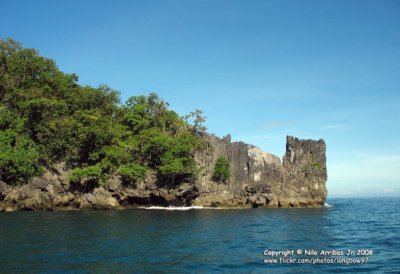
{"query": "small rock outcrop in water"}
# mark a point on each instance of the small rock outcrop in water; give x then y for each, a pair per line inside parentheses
(258, 179)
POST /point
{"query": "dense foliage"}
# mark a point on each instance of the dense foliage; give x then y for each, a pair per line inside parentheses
(222, 170)
(46, 117)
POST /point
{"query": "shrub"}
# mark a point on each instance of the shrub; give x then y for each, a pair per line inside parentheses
(131, 173)
(222, 170)
(89, 173)
(18, 158)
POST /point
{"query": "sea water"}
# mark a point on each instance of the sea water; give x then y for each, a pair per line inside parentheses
(201, 240)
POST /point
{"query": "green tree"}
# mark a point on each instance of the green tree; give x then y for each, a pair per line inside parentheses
(131, 173)
(86, 173)
(197, 119)
(46, 117)
(19, 159)
(222, 170)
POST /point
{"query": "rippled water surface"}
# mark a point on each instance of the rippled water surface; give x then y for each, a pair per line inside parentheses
(199, 240)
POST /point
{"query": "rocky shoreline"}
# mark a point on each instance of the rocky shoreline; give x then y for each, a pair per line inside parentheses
(258, 179)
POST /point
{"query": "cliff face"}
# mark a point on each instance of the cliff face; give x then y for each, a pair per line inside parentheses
(257, 179)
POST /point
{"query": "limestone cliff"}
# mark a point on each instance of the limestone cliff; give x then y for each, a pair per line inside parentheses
(257, 179)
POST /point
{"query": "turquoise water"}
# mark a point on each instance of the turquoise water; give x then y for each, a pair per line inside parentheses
(201, 240)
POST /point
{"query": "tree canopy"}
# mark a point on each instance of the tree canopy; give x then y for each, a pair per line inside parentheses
(47, 117)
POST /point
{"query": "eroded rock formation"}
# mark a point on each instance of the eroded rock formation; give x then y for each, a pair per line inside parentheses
(258, 179)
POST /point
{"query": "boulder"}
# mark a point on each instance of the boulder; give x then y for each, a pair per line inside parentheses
(101, 199)
(29, 197)
(39, 182)
(114, 183)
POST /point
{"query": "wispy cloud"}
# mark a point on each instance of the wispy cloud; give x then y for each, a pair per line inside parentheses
(389, 190)
(371, 174)
(336, 127)
(279, 124)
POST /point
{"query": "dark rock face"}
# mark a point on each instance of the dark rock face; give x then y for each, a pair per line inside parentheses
(258, 179)
(3, 190)
(305, 162)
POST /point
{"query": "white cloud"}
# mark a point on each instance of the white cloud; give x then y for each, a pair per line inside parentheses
(389, 190)
(371, 174)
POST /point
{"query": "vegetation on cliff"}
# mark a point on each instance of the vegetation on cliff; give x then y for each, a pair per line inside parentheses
(222, 170)
(46, 117)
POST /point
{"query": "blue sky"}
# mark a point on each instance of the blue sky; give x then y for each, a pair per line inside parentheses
(260, 70)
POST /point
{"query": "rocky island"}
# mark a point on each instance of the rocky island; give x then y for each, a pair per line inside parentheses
(64, 146)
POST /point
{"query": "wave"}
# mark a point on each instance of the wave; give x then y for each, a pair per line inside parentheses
(327, 205)
(177, 207)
